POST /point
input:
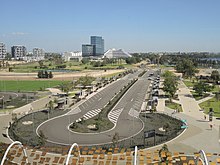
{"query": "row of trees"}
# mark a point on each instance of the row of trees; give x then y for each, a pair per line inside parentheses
(44, 74)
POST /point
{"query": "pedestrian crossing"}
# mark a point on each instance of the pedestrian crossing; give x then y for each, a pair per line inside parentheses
(133, 113)
(114, 115)
(91, 114)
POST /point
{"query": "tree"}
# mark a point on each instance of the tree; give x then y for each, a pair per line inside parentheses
(85, 80)
(201, 87)
(50, 75)
(41, 63)
(115, 138)
(186, 67)
(66, 87)
(215, 75)
(42, 138)
(217, 96)
(170, 83)
(50, 106)
(40, 74)
(85, 60)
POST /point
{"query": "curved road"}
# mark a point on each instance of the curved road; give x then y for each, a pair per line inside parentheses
(125, 114)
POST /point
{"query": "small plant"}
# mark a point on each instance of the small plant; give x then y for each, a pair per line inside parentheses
(115, 138)
(42, 138)
(164, 153)
(74, 125)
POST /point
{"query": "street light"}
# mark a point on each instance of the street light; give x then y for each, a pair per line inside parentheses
(32, 116)
(2, 102)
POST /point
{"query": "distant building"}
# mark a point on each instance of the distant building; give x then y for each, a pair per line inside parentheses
(18, 52)
(88, 50)
(99, 45)
(95, 48)
(72, 56)
(38, 54)
(119, 53)
(2, 51)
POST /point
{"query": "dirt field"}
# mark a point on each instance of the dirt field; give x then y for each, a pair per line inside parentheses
(57, 76)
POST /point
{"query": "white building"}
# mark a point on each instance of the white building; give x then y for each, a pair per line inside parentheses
(38, 54)
(2, 51)
(72, 56)
(116, 53)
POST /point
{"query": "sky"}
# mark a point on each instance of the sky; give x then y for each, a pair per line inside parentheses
(133, 25)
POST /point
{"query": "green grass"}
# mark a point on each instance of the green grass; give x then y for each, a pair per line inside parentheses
(188, 83)
(197, 97)
(34, 66)
(215, 89)
(174, 106)
(212, 103)
(25, 86)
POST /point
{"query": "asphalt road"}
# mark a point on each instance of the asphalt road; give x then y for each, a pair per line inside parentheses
(124, 115)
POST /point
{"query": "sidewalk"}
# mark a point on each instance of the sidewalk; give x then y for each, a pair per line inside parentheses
(4, 123)
(198, 135)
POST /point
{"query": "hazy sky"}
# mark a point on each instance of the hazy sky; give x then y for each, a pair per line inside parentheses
(134, 25)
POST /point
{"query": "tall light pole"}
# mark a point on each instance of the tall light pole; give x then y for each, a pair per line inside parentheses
(32, 116)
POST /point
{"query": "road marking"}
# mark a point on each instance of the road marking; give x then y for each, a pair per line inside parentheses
(91, 114)
(74, 111)
(99, 99)
(133, 113)
(114, 115)
(132, 99)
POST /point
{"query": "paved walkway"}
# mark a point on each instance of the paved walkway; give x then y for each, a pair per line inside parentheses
(198, 135)
(4, 123)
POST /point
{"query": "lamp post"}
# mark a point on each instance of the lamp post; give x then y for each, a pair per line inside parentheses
(2, 102)
(32, 116)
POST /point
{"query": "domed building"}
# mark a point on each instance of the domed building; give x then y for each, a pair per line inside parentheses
(116, 53)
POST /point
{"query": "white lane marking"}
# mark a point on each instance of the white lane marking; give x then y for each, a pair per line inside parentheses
(74, 111)
(99, 99)
(114, 115)
(133, 113)
(91, 114)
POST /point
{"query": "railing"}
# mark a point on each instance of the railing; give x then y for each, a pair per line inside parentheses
(204, 156)
(69, 153)
(6, 152)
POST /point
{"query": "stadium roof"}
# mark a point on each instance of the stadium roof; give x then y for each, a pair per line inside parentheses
(116, 53)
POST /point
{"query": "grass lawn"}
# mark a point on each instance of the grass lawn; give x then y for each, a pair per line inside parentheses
(25, 86)
(173, 106)
(215, 89)
(197, 97)
(212, 103)
(188, 83)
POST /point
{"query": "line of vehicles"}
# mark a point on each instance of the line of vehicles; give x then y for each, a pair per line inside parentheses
(154, 92)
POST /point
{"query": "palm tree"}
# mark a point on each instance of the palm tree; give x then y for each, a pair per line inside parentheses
(115, 138)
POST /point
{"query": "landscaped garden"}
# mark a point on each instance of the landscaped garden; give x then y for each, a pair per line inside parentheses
(174, 106)
(212, 103)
